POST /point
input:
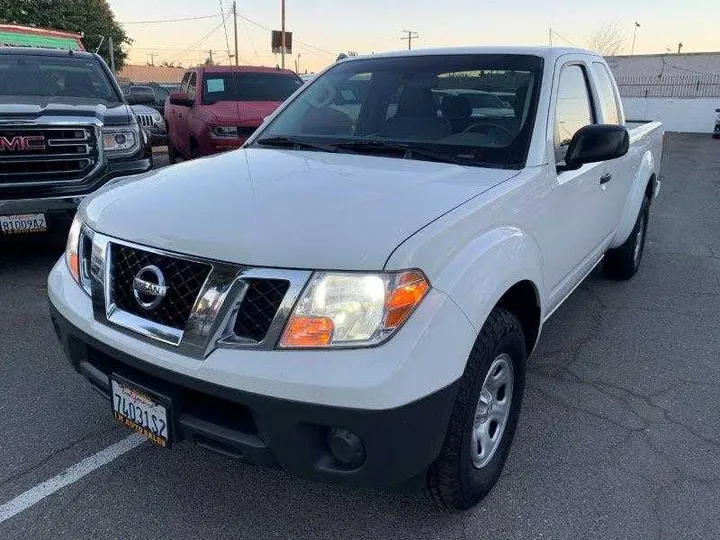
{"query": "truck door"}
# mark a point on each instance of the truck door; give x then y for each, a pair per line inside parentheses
(617, 175)
(579, 228)
(183, 118)
(172, 118)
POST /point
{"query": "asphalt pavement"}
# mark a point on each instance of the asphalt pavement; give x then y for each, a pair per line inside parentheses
(619, 435)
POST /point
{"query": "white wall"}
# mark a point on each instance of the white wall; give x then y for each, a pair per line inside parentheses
(686, 115)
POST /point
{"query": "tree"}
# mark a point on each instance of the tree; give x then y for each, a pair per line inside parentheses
(609, 39)
(92, 18)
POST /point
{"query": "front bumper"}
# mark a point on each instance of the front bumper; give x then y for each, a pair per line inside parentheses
(399, 443)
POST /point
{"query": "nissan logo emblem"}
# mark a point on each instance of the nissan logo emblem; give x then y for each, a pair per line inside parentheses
(149, 287)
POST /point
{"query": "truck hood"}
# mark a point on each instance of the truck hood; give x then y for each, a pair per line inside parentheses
(234, 112)
(284, 208)
(27, 108)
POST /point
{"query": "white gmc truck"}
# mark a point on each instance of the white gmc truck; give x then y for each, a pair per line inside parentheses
(353, 295)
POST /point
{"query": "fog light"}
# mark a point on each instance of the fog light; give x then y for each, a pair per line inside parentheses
(346, 447)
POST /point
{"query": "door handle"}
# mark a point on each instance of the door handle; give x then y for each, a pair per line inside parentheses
(605, 178)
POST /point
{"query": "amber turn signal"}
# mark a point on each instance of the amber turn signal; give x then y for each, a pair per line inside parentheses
(411, 288)
(308, 332)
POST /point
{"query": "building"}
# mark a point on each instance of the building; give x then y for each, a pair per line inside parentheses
(681, 90)
(157, 74)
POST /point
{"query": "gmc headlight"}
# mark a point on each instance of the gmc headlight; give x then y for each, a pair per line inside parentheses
(77, 254)
(352, 309)
(224, 132)
(120, 141)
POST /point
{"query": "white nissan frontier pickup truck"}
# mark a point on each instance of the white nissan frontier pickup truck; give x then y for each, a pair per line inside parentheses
(353, 295)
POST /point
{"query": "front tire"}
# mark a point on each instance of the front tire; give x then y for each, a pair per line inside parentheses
(485, 415)
(623, 262)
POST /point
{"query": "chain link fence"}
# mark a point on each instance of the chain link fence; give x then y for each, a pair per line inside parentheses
(670, 86)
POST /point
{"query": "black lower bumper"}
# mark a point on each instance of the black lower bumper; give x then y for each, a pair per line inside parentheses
(398, 443)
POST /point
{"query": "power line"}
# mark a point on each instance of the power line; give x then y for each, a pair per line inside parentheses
(562, 37)
(198, 42)
(160, 21)
(222, 14)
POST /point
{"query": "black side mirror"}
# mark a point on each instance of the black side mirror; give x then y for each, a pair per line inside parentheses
(596, 142)
(182, 99)
(140, 99)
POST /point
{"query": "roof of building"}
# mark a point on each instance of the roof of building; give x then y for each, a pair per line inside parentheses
(158, 74)
(665, 54)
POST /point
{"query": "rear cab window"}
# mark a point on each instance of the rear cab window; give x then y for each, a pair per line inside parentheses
(249, 86)
(606, 94)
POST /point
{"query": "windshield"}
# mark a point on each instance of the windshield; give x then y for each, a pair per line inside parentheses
(51, 76)
(247, 86)
(476, 109)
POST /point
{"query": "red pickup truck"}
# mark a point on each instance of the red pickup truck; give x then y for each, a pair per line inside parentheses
(218, 108)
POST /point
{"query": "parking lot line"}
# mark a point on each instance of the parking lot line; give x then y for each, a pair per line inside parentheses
(71, 475)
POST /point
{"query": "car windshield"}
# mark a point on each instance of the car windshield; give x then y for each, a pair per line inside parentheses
(54, 76)
(248, 86)
(470, 109)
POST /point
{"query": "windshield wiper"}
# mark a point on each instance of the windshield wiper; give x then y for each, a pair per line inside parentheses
(295, 144)
(408, 151)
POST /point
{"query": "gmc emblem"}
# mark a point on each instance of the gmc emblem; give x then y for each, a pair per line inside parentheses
(22, 143)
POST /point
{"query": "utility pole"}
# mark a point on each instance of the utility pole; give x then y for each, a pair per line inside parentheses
(637, 25)
(211, 58)
(410, 36)
(236, 40)
(282, 31)
(152, 58)
(680, 46)
(112, 54)
(550, 36)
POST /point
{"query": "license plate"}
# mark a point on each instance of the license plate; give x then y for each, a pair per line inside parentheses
(137, 410)
(23, 223)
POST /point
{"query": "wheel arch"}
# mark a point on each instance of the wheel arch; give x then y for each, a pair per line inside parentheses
(502, 267)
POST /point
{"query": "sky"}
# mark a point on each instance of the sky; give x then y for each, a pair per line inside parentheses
(324, 28)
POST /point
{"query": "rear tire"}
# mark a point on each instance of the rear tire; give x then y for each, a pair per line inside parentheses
(471, 459)
(623, 262)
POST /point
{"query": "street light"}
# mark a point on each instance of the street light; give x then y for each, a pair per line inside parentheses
(637, 25)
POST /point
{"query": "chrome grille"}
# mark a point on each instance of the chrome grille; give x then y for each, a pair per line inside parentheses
(184, 280)
(259, 307)
(145, 120)
(214, 303)
(35, 154)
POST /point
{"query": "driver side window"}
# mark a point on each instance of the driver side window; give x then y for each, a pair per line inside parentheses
(573, 109)
(184, 84)
(191, 85)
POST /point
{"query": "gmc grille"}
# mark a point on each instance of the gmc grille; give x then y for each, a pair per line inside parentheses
(40, 155)
(145, 120)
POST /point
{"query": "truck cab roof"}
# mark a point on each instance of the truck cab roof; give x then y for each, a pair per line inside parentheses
(241, 69)
(39, 51)
(548, 53)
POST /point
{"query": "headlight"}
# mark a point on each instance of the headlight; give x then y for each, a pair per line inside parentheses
(224, 132)
(117, 141)
(77, 254)
(353, 310)
(157, 119)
